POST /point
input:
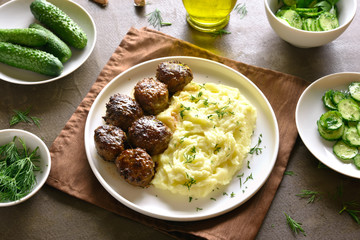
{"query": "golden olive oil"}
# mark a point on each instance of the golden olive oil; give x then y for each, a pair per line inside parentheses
(208, 15)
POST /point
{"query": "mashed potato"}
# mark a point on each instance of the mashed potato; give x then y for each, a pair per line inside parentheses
(212, 126)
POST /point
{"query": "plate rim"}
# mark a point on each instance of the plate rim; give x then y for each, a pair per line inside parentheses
(298, 125)
(183, 218)
(51, 79)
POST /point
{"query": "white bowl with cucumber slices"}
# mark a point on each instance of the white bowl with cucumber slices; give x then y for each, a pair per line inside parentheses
(328, 121)
(313, 25)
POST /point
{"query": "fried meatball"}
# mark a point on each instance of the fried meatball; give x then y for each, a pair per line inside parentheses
(174, 74)
(136, 167)
(109, 141)
(150, 134)
(152, 95)
(122, 111)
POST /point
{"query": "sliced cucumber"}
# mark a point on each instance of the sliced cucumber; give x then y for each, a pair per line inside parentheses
(354, 89)
(351, 136)
(337, 96)
(344, 152)
(349, 109)
(357, 161)
(292, 17)
(330, 135)
(331, 120)
(327, 100)
(328, 21)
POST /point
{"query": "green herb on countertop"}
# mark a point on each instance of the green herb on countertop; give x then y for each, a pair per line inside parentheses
(354, 213)
(23, 116)
(17, 170)
(220, 32)
(294, 226)
(289, 173)
(155, 19)
(241, 9)
(311, 195)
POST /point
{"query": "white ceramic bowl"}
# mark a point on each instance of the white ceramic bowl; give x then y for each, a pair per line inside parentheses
(31, 141)
(307, 39)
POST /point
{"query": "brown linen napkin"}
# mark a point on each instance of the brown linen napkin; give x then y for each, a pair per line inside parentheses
(72, 174)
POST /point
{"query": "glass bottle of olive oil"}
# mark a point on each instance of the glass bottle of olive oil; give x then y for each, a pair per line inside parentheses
(208, 15)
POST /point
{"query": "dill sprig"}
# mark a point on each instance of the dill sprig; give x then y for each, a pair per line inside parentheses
(311, 195)
(352, 212)
(241, 9)
(220, 32)
(155, 19)
(17, 166)
(295, 226)
(189, 182)
(23, 116)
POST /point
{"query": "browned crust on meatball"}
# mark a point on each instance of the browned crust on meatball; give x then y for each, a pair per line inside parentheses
(152, 95)
(150, 134)
(136, 167)
(122, 111)
(109, 141)
(174, 74)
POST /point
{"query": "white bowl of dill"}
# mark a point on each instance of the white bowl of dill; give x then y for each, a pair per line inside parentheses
(25, 164)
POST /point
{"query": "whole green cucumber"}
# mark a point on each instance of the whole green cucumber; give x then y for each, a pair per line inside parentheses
(55, 45)
(24, 36)
(30, 59)
(59, 23)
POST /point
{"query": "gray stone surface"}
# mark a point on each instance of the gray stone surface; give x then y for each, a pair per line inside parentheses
(52, 214)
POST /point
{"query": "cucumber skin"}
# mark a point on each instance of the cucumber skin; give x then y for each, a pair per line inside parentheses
(59, 23)
(54, 45)
(24, 36)
(30, 59)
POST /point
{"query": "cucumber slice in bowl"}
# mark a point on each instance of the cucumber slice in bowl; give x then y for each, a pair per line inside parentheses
(351, 136)
(330, 135)
(354, 89)
(331, 120)
(345, 152)
(349, 110)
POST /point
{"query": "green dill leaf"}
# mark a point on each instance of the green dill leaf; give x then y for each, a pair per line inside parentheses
(294, 226)
(232, 194)
(289, 173)
(155, 19)
(190, 182)
(220, 33)
(217, 148)
(22, 116)
(241, 9)
(198, 209)
(311, 195)
(190, 155)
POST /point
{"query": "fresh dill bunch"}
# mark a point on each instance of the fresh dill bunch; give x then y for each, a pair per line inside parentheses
(155, 19)
(295, 226)
(17, 166)
(311, 195)
(241, 9)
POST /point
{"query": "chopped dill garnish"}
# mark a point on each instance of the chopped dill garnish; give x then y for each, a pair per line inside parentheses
(183, 110)
(249, 177)
(198, 209)
(257, 149)
(294, 226)
(214, 199)
(232, 194)
(190, 199)
(155, 19)
(217, 148)
(190, 155)
(239, 177)
(190, 182)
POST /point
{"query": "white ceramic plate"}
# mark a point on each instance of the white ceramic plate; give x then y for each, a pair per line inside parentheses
(308, 111)
(163, 204)
(32, 141)
(17, 14)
